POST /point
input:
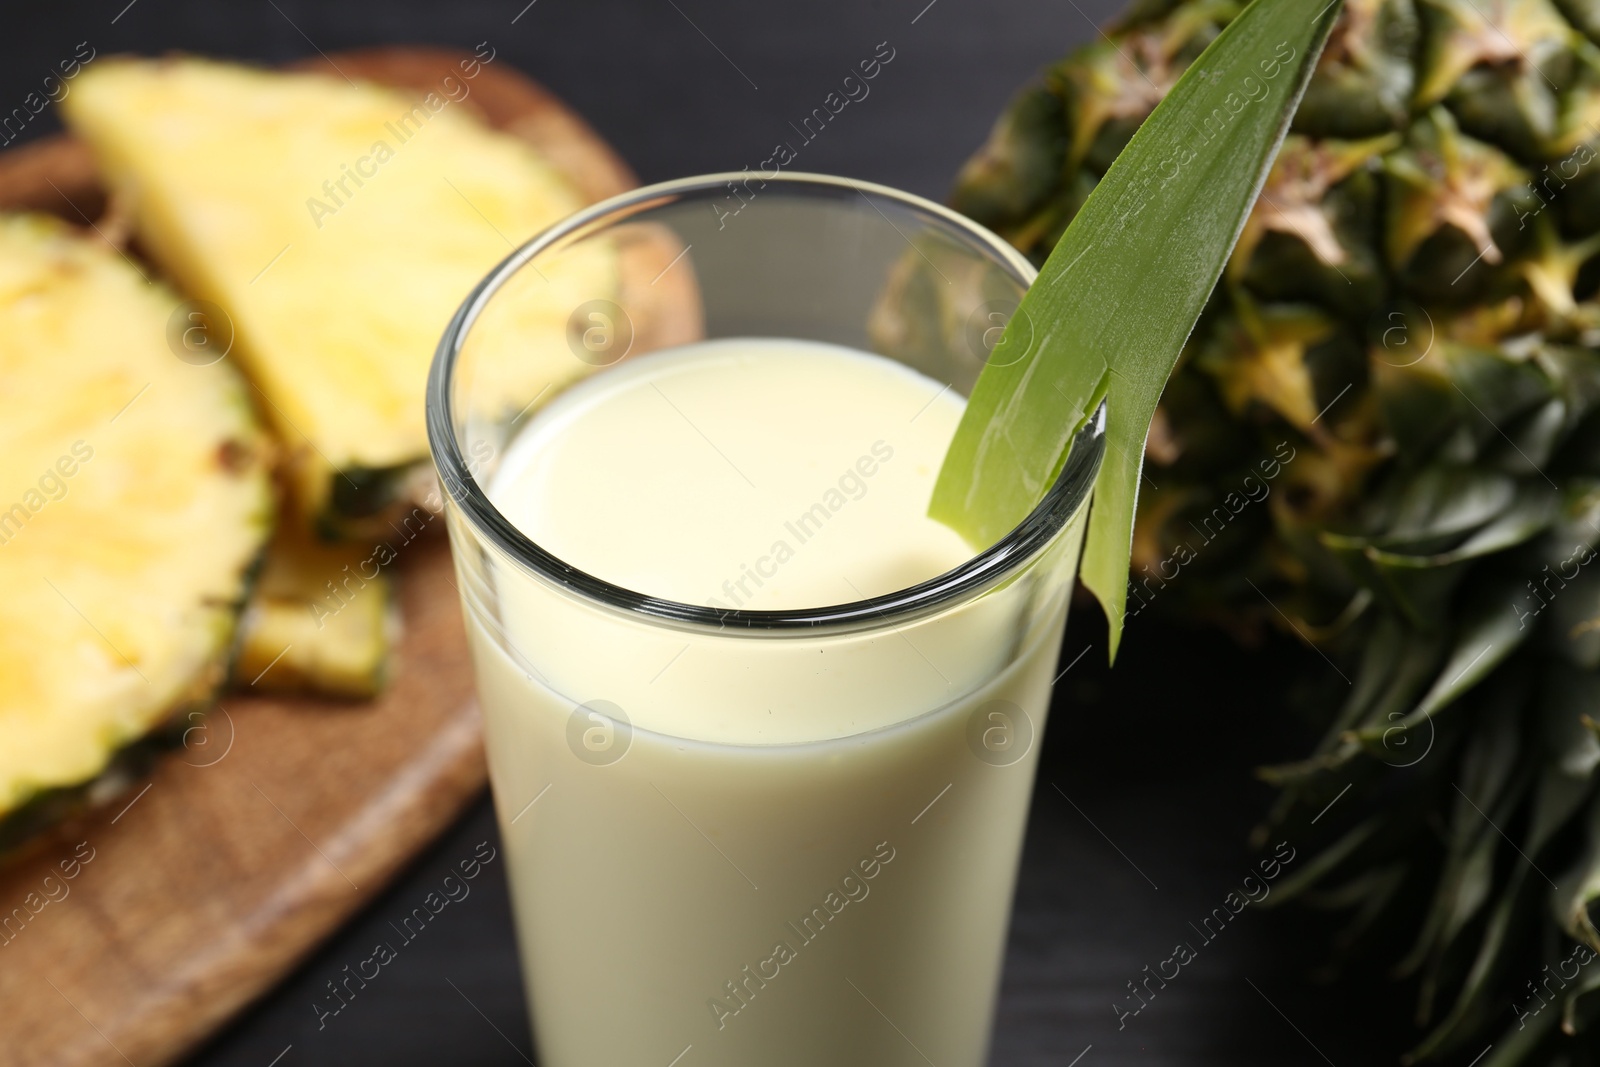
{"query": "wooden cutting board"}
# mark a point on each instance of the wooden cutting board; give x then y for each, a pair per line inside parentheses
(199, 887)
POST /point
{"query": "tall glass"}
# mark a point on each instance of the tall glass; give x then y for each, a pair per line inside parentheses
(785, 838)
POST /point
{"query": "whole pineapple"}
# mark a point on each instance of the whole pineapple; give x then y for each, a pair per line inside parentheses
(1384, 435)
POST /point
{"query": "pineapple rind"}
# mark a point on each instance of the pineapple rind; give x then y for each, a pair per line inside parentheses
(247, 186)
(24, 825)
(123, 585)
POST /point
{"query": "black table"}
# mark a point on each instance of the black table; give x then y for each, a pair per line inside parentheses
(1145, 797)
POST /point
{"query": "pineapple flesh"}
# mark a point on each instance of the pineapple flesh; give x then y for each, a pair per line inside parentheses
(322, 619)
(1386, 422)
(337, 226)
(134, 503)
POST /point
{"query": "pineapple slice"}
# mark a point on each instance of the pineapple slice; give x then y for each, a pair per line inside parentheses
(338, 226)
(134, 502)
(322, 620)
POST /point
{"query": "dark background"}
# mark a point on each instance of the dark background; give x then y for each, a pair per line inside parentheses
(1156, 757)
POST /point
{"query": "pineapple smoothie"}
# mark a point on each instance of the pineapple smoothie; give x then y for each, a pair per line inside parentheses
(788, 848)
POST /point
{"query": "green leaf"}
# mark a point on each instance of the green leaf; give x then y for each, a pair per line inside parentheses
(1520, 1045)
(1122, 290)
(1369, 896)
(1324, 863)
(1471, 841)
(1471, 1008)
(1420, 580)
(1397, 662)
(1489, 633)
(1436, 503)
(1574, 610)
(1529, 514)
(1579, 888)
(1580, 1011)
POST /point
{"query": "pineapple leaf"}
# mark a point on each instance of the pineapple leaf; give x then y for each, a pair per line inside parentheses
(1579, 1008)
(1487, 798)
(1569, 695)
(1521, 1044)
(1530, 513)
(1470, 1009)
(1489, 633)
(1324, 863)
(1119, 295)
(1578, 889)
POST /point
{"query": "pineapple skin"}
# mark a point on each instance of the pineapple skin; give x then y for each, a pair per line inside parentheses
(145, 485)
(1411, 314)
(338, 226)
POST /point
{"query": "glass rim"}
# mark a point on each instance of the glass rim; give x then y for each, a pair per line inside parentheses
(983, 571)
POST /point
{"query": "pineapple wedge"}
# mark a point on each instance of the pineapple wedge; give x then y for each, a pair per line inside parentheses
(134, 502)
(338, 225)
(322, 620)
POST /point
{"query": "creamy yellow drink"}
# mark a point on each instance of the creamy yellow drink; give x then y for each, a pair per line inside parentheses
(756, 846)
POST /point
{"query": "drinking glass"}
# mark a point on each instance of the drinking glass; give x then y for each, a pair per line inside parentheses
(785, 838)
